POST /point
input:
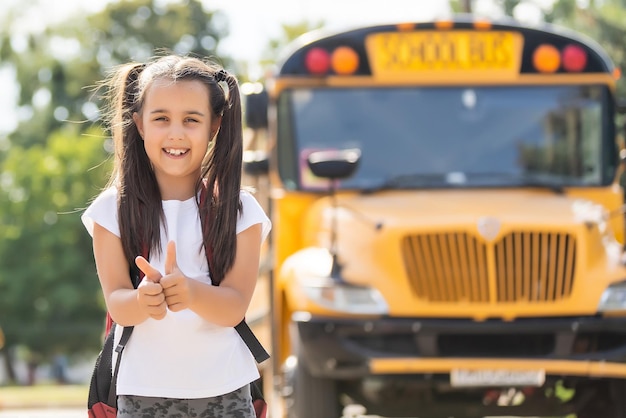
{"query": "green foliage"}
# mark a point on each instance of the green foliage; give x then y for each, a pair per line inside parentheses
(50, 297)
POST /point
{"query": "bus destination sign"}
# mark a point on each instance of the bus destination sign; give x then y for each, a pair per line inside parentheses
(438, 54)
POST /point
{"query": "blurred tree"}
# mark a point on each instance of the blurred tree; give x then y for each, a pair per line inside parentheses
(289, 33)
(49, 293)
(50, 298)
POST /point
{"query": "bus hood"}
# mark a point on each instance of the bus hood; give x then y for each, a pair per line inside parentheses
(447, 253)
(445, 209)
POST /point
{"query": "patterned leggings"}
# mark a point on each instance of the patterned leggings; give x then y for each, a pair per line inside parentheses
(237, 404)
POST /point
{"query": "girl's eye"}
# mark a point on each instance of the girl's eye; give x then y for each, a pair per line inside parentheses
(160, 118)
(192, 120)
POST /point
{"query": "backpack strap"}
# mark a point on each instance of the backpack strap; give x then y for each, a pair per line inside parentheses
(136, 275)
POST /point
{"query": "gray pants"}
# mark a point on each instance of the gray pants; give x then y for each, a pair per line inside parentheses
(237, 404)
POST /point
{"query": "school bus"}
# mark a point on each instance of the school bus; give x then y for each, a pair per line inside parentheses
(447, 222)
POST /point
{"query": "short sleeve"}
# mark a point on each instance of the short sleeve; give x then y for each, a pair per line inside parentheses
(252, 214)
(103, 211)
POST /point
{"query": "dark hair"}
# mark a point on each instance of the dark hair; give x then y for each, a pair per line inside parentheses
(139, 203)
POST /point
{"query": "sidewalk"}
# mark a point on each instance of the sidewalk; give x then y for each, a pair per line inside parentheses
(44, 413)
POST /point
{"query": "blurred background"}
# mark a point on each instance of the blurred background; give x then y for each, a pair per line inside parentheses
(54, 153)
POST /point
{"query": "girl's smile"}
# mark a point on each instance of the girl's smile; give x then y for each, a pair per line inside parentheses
(174, 152)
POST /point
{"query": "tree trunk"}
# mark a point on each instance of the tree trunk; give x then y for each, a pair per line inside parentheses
(8, 364)
(467, 6)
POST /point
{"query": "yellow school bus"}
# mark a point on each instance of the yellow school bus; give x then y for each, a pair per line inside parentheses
(447, 222)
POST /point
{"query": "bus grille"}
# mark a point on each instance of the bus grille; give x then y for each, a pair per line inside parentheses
(519, 267)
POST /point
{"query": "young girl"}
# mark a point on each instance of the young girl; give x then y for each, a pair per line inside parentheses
(176, 190)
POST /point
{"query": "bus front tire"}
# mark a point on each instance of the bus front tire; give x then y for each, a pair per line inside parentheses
(608, 400)
(313, 397)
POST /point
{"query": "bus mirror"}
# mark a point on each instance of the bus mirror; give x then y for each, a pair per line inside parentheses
(256, 103)
(334, 164)
(255, 163)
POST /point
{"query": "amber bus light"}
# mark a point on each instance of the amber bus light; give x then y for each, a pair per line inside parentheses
(546, 59)
(344, 60)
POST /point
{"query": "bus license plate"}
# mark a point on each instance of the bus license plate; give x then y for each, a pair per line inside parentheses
(481, 377)
(441, 53)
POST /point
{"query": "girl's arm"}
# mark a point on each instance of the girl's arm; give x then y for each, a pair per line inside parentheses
(127, 306)
(226, 304)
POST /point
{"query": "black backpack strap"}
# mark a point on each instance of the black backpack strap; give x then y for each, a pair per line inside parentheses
(119, 349)
(135, 276)
(255, 346)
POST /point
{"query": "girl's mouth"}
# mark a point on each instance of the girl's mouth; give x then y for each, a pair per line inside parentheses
(175, 152)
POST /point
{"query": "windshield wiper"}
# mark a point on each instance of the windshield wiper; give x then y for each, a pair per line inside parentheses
(406, 181)
(557, 188)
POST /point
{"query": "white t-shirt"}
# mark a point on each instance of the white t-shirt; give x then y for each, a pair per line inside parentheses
(182, 355)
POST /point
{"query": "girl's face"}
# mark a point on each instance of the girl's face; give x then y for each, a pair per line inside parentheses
(176, 125)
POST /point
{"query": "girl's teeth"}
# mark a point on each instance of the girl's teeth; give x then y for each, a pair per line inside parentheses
(175, 151)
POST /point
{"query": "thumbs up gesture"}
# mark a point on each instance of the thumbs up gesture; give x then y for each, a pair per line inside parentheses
(175, 283)
(150, 292)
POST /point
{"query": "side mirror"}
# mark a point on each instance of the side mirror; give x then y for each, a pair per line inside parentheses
(256, 102)
(256, 163)
(334, 164)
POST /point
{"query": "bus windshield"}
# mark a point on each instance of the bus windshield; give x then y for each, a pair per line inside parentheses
(420, 137)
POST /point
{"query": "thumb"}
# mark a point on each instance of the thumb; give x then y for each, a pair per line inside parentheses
(150, 272)
(170, 258)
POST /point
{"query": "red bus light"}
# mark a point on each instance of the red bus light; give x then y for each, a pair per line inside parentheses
(574, 58)
(317, 61)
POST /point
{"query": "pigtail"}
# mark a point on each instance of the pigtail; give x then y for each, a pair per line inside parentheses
(139, 208)
(224, 175)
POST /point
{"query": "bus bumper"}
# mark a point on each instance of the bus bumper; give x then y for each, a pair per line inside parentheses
(354, 348)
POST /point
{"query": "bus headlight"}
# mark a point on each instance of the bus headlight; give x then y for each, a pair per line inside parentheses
(613, 298)
(344, 297)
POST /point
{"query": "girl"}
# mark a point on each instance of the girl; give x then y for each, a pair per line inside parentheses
(174, 191)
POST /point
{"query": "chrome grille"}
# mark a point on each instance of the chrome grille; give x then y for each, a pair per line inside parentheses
(519, 267)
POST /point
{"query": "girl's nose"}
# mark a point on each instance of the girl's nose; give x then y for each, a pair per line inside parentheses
(177, 131)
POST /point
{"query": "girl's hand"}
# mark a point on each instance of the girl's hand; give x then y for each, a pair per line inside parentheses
(150, 292)
(175, 283)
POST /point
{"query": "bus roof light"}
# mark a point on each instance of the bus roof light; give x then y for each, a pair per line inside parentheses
(317, 61)
(444, 24)
(482, 24)
(574, 58)
(546, 58)
(345, 60)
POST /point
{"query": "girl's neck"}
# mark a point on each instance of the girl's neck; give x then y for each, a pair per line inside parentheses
(177, 190)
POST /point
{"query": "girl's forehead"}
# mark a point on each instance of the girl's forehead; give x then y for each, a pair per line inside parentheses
(166, 90)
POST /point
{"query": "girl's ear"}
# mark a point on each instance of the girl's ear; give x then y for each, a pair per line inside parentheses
(215, 127)
(139, 123)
